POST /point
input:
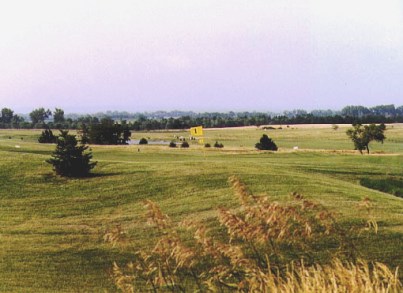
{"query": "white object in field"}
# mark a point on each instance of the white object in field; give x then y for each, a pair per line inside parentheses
(295, 148)
(17, 146)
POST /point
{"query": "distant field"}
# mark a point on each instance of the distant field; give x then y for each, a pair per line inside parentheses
(51, 228)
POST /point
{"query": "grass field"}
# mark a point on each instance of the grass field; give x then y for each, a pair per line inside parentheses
(51, 228)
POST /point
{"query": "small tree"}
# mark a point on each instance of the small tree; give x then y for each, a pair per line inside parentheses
(70, 159)
(363, 135)
(266, 143)
(185, 144)
(172, 144)
(47, 137)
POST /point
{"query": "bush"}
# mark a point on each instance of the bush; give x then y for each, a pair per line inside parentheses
(69, 159)
(143, 141)
(207, 145)
(172, 144)
(185, 144)
(266, 143)
(218, 145)
(47, 137)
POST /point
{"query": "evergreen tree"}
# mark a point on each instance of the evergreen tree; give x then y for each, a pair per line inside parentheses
(47, 137)
(266, 143)
(70, 159)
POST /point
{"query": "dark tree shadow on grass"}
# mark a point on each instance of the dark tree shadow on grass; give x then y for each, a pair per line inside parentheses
(52, 176)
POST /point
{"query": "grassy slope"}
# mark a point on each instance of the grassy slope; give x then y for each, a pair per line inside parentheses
(51, 228)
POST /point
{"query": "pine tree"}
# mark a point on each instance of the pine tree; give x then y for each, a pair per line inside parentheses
(70, 159)
(47, 137)
(266, 143)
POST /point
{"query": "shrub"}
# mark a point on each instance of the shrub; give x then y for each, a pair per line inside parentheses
(172, 144)
(266, 143)
(218, 145)
(143, 141)
(185, 144)
(70, 159)
(207, 145)
(47, 137)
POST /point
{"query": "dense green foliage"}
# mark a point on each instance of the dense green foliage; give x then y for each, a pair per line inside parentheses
(363, 135)
(58, 116)
(6, 115)
(266, 143)
(10, 120)
(38, 116)
(70, 159)
(106, 132)
(47, 136)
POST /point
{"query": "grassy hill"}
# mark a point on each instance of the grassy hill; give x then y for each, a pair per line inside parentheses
(51, 228)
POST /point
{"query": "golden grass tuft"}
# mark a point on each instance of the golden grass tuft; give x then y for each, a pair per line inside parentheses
(254, 255)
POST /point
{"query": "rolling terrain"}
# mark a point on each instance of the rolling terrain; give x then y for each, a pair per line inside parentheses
(51, 228)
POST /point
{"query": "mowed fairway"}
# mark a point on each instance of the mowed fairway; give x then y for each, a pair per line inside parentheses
(51, 228)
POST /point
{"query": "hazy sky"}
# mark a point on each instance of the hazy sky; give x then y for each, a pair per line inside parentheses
(264, 55)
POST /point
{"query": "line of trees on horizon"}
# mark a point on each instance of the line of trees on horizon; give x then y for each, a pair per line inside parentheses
(45, 118)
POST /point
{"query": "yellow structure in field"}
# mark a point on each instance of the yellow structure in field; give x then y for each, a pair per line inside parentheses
(196, 131)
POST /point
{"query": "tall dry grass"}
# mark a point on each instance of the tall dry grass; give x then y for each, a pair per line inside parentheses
(268, 247)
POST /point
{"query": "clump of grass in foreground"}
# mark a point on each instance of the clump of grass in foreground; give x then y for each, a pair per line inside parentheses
(254, 255)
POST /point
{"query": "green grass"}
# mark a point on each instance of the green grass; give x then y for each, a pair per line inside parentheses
(390, 185)
(51, 228)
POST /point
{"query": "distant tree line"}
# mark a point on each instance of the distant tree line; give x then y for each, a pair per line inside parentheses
(45, 118)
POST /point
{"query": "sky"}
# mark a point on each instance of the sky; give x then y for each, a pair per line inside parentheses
(204, 55)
